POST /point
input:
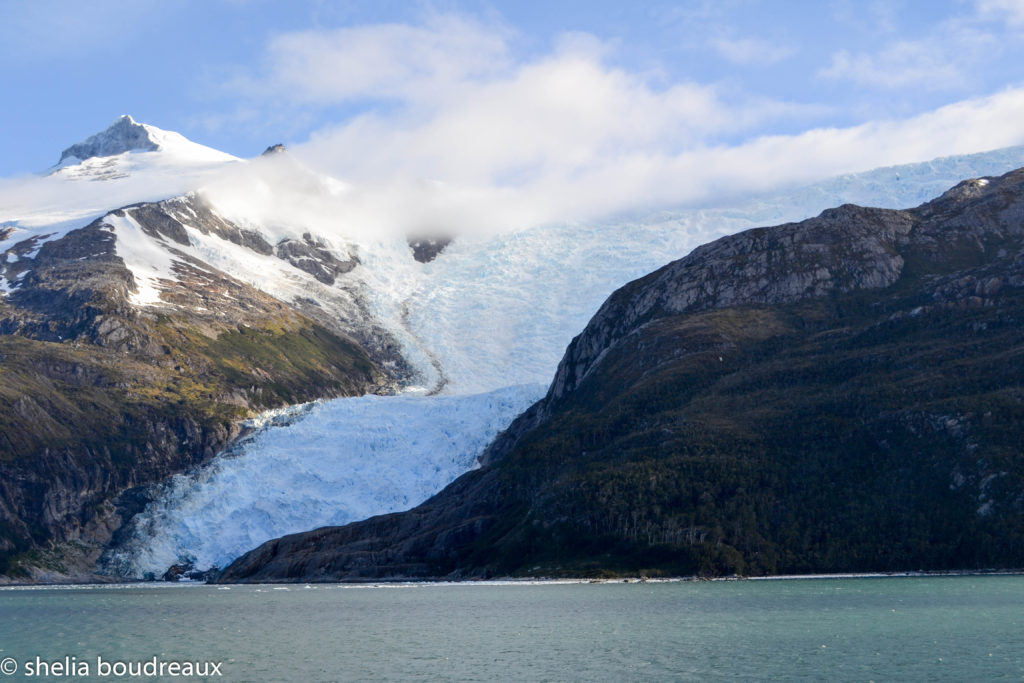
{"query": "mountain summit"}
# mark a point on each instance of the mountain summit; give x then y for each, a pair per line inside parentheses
(124, 135)
(127, 135)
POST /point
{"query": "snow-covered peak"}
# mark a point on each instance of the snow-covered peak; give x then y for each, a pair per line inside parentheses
(124, 135)
(129, 162)
(127, 135)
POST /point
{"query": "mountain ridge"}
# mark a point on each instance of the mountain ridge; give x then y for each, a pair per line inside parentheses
(117, 373)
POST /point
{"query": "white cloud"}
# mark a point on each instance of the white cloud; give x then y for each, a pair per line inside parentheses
(946, 57)
(480, 119)
(964, 127)
(383, 61)
(562, 112)
(1010, 10)
(902, 64)
(470, 138)
(573, 182)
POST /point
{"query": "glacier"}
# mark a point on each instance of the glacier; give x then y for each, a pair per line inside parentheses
(484, 324)
(325, 463)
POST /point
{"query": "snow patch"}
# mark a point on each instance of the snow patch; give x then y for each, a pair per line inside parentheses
(8, 285)
(147, 258)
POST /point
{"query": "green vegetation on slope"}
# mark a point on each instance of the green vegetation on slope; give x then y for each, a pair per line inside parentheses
(80, 422)
(832, 444)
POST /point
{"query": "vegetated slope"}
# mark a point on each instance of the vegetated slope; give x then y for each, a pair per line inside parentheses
(841, 394)
(109, 383)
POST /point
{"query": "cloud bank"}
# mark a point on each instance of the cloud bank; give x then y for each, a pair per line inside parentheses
(450, 124)
(451, 130)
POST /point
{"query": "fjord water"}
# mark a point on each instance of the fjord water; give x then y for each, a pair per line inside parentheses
(851, 629)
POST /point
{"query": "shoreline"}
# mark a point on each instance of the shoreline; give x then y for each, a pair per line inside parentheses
(511, 581)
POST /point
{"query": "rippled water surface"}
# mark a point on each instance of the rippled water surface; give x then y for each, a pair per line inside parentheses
(855, 629)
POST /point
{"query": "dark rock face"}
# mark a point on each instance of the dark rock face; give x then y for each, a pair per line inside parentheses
(66, 289)
(274, 149)
(843, 250)
(61, 494)
(312, 256)
(426, 249)
(186, 571)
(156, 222)
(122, 136)
(841, 394)
(194, 211)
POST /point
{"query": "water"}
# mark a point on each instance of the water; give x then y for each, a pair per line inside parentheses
(924, 629)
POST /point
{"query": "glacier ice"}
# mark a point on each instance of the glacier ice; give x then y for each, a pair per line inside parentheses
(327, 463)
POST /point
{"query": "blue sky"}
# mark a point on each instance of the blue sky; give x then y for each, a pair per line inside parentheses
(596, 100)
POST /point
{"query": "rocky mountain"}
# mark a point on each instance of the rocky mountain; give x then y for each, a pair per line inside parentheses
(124, 135)
(128, 353)
(839, 394)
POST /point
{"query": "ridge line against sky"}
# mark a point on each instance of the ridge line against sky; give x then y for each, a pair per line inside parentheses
(577, 108)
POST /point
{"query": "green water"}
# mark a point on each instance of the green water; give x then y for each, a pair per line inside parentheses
(881, 629)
